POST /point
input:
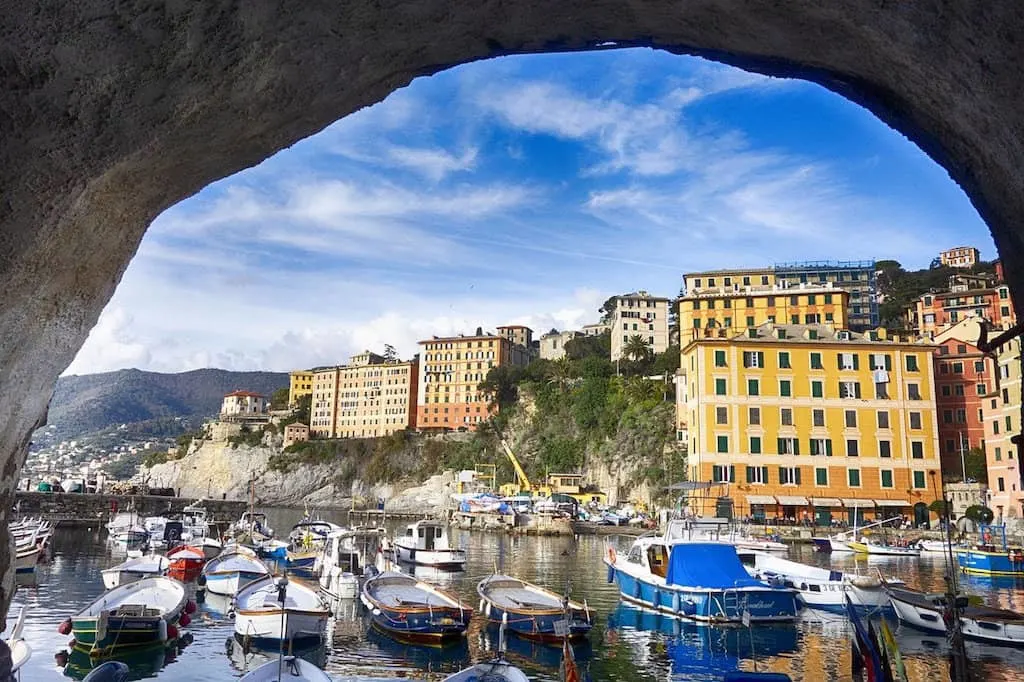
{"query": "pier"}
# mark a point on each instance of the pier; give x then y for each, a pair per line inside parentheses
(94, 509)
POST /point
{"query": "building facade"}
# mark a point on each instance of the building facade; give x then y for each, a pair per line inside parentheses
(639, 314)
(244, 404)
(552, 344)
(1002, 422)
(300, 384)
(517, 334)
(367, 398)
(960, 257)
(596, 329)
(451, 369)
(295, 433)
(963, 495)
(809, 421)
(933, 312)
(747, 307)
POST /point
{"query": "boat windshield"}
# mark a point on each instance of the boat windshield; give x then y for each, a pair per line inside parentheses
(657, 560)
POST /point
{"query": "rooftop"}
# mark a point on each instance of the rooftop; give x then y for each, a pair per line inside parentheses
(244, 394)
(770, 332)
(772, 290)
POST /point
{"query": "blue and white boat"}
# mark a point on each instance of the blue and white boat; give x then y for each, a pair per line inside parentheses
(704, 581)
(992, 556)
(230, 572)
(530, 610)
(413, 610)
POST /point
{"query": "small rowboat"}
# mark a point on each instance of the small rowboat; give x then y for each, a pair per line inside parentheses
(186, 563)
(230, 572)
(135, 569)
(20, 650)
(291, 669)
(498, 670)
(409, 609)
(925, 611)
(141, 613)
(531, 611)
(268, 611)
(872, 548)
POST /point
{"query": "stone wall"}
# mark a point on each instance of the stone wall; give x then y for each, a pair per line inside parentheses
(81, 508)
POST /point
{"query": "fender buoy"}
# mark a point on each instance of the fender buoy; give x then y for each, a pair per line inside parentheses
(172, 632)
(612, 556)
(184, 620)
(190, 606)
(65, 627)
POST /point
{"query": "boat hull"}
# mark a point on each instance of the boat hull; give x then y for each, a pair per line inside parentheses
(185, 570)
(438, 558)
(26, 559)
(980, 562)
(270, 627)
(538, 626)
(228, 583)
(407, 609)
(121, 632)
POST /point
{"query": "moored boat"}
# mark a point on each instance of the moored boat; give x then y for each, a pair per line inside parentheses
(269, 611)
(135, 569)
(498, 670)
(210, 547)
(531, 611)
(347, 556)
(834, 544)
(719, 530)
(993, 555)
(186, 563)
(699, 580)
(426, 543)
(410, 609)
(229, 572)
(927, 611)
(21, 652)
(873, 547)
(291, 668)
(141, 613)
(936, 546)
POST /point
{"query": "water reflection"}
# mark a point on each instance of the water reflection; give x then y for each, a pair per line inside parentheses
(144, 663)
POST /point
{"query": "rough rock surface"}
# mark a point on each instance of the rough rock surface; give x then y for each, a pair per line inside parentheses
(112, 111)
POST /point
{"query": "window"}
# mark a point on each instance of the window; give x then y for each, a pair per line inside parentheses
(789, 475)
(961, 415)
(912, 363)
(753, 387)
(851, 419)
(849, 389)
(817, 389)
(915, 420)
(919, 479)
(755, 446)
(1002, 486)
(754, 416)
(886, 478)
(757, 475)
(719, 358)
(943, 368)
(881, 361)
(853, 477)
(821, 447)
(816, 361)
(812, 299)
(913, 392)
(917, 449)
(852, 447)
(764, 280)
(750, 321)
(785, 388)
(995, 427)
(980, 389)
(787, 416)
(818, 417)
(722, 473)
(789, 446)
(784, 360)
(848, 361)
(821, 476)
(719, 386)
(771, 301)
(753, 359)
(721, 415)
(794, 319)
(884, 448)
(1009, 423)
(979, 366)
(999, 454)
(958, 368)
(723, 444)
(828, 298)
(794, 300)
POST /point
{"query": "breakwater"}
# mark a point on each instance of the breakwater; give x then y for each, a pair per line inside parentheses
(86, 509)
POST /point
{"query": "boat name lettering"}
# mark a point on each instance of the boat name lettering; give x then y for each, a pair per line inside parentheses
(759, 605)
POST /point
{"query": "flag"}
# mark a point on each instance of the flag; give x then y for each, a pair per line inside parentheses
(868, 651)
(570, 673)
(895, 657)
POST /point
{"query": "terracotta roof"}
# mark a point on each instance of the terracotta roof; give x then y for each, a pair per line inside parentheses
(244, 394)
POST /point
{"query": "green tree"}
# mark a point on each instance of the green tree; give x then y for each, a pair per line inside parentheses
(667, 362)
(390, 354)
(607, 308)
(501, 385)
(976, 465)
(561, 374)
(979, 513)
(940, 507)
(583, 347)
(636, 348)
(279, 399)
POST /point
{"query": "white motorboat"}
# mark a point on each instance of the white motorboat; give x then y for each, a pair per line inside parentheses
(719, 530)
(229, 572)
(132, 536)
(269, 610)
(194, 522)
(290, 669)
(936, 546)
(819, 588)
(426, 543)
(254, 524)
(347, 556)
(211, 547)
(135, 569)
(498, 670)
(925, 611)
(20, 650)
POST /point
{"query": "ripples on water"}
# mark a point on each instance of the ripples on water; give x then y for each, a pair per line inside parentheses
(626, 644)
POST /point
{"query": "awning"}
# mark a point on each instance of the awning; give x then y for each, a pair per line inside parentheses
(852, 502)
(826, 501)
(892, 503)
(760, 499)
(792, 501)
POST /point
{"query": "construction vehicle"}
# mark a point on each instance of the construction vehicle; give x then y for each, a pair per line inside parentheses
(523, 486)
(568, 484)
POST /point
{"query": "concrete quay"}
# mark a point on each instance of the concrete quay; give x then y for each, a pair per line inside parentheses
(93, 509)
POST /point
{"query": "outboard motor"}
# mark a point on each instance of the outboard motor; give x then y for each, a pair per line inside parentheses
(172, 532)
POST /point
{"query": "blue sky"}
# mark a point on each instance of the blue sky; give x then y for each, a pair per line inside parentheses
(519, 190)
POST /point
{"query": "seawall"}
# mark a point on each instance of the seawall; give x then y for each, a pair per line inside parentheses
(91, 508)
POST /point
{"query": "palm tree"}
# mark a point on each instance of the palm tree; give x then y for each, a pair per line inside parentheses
(560, 373)
(636, 348)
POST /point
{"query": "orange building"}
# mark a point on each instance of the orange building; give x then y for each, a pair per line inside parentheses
(963, 377)
(451, 369)
(933, 312)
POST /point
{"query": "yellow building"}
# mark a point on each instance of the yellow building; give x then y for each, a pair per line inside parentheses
(367, 398)
(300, 383)
(1002, 423)
(745, 307)
(810, 420)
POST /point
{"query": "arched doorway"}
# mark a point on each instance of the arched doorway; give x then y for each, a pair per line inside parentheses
(921, 515)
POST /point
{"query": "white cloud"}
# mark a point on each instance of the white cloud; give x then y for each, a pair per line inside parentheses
(434, 164)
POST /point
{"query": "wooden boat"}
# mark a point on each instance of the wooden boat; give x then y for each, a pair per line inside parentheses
(702, 581)
(186, 563)
(291, 669)
(210, 547)
(405, 607)
(993, 555)
(980, 623)
(531, 611)
(881, 549)
(21, 652)
(135, 569)
(498, 670)
(231, 571)
(141, 613)
(426, 543)
(270, 610)
(26, 557)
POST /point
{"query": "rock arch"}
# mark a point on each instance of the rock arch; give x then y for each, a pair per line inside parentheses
(112, 111)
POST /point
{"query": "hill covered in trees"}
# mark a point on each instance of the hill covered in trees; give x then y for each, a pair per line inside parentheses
(901, 287)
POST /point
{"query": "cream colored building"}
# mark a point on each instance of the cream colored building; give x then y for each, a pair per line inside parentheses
(960, 257)
(295, 433)
(552, 344)
(244, 404)
(639, 314)
(596, 329)
(366, 398)
(964, 495)
(1002, 422)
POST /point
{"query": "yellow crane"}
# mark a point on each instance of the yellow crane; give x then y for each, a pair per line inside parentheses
(524, 485)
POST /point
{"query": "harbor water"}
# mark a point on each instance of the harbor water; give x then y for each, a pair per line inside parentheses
(626, 644)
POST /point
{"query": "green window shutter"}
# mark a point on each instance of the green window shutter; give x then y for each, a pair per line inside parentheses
(782, 446)
(888, 363)
(732, 472)
(796, 473)
(750, 474)
(856, 361)
(828, 448)
(764, 474)
(760, 359)
(755, 445)
(796, 447)
(856, 388)
(816, 389)
(814, 447)
(782, 475)
(839, 360)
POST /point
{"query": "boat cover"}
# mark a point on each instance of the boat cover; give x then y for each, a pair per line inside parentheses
(706, 564)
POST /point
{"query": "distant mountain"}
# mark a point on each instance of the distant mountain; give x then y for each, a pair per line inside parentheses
(82, 404)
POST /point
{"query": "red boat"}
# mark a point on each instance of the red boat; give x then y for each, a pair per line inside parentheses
(186, 563)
